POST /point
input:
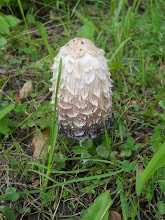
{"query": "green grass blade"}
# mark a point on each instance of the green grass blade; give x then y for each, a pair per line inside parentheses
(107, 136)
(75, 180)
(54, 131)
(54, 125)
(156, 162)
(87, 178)
(59, 172)
(42, 174)
(119, 9)
(117, 50)
(123, 199)
(42, 31)
(23, 15)
(15, 144)
(123, 205)
(134, 10)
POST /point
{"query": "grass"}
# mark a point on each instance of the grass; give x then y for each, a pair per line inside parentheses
(60, 186)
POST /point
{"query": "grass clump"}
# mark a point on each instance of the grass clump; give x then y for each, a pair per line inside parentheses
(59, 186)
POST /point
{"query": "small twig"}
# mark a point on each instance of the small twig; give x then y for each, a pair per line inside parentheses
(58, 201)
(7, 96)
(136, 68)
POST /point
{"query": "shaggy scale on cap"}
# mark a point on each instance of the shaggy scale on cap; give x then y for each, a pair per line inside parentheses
(84, 95)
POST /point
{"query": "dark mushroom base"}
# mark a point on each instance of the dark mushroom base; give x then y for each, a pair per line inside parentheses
(88, 133)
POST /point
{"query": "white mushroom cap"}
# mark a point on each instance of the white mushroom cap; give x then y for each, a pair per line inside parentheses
(84, 95)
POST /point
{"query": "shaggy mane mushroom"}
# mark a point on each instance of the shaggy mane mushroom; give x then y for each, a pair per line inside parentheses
(85, 90)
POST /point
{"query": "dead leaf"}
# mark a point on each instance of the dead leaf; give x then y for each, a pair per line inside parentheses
(133, 102)
(3, 70)
(36, 183)
(91, 11)
(113, 215)
(38, 143)
(51, 17)
(26, 89)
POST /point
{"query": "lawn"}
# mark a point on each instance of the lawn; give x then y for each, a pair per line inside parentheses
(42, 174)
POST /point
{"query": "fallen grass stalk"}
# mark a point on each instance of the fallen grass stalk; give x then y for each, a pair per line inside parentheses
(54, 131)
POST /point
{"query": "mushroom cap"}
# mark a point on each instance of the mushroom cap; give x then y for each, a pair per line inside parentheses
(85, 90)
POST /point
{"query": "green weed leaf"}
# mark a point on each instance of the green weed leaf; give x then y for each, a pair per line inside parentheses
(102, 151)
(129, 142)
(4, 128)
(156, 162)
(13, 195)
(99, 209)
(80, 150)
(161, 207)
(15, 165)
(11, 20)
(4, 27)
(6, 22)
(127, 167)
(46, 197)
(3, 42)
(81, 17)
(87, 30)
(89, 189)
(10, 194)
(5, 108)
(125, 153)
(86, 144)
(8, 212)
(162, 103)
(24, 210)
(137, 146)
